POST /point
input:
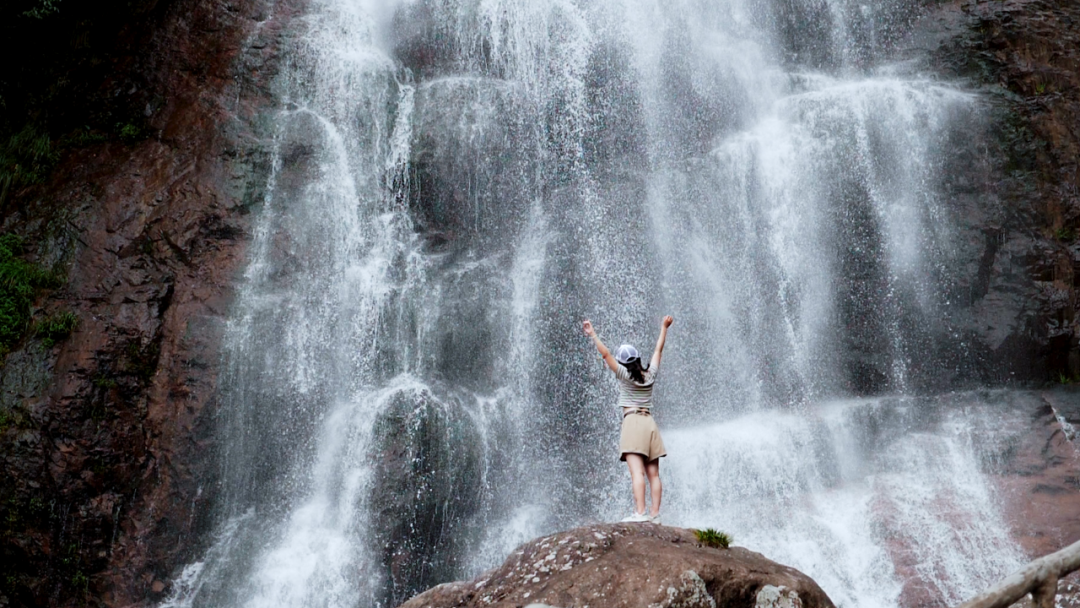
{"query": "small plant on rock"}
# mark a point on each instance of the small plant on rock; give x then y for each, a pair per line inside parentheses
(713, 538)
(55, 328)
(19, 280)
(130, 133)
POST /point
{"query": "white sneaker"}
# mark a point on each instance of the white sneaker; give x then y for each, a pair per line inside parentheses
(637, 517)
(655, 519)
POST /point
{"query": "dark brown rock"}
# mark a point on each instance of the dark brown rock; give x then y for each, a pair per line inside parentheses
(629, 565)
(109, 467)
(1020, 194)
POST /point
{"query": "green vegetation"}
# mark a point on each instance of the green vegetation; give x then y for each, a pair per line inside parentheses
(19, 281)
(51, 97)
(130, 133)
(142, 360)
(42, 9)
(712, 538)
(82, 137)
(26, 158)
(103, 381)
(55, 328)
(80, 581)
(1064, 234)
(1067, 380)
(12, 418)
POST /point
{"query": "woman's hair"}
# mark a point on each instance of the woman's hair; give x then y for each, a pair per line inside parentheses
(633, 366)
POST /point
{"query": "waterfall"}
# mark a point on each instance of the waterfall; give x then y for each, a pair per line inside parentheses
(456, 184)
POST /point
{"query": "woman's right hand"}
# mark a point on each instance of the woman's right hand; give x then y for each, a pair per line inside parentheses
(668, 320)
(587, 326)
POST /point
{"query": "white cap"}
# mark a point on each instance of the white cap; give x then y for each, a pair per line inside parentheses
(625, 354)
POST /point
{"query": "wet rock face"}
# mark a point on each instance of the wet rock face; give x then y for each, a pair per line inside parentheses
(106, 444)
(630, 565)
(1018, 185)
(427, 460)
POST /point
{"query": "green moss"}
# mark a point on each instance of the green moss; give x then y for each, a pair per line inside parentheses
(55, 328)
(713, 538)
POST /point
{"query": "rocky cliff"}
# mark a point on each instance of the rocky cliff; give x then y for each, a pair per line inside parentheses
(629, 565)
(106, 437)
(105, 441)
(1017, 184)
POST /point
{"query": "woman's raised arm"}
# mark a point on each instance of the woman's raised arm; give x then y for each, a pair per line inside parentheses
(654, 364)
(604, 352)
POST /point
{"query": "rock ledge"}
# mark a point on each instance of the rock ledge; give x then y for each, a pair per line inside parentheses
(631, 565)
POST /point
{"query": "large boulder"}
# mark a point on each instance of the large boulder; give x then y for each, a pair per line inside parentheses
(630, 565)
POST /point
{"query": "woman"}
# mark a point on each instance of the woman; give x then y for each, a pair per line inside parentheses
(640, 444)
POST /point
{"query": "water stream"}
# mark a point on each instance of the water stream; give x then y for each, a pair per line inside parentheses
(457, 183)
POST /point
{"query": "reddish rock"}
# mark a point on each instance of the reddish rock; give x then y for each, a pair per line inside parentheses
(110, 467)
(613, 565)
(1040, 485)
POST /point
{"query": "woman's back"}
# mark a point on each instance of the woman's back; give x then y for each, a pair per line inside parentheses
(634, 394)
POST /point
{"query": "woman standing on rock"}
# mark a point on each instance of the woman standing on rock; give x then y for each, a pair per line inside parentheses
(640, 444)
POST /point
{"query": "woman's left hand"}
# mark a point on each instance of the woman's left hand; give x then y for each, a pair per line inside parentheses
(668, 320)
(587, 326)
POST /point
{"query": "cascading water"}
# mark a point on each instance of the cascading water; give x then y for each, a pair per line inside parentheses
(457, 183)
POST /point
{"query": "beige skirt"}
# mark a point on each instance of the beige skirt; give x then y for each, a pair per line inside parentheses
(640, 436)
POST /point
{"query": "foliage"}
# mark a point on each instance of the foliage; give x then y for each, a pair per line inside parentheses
(13, 418)
(712, 538)
(1067, 379)
(55, 328)
(103, 381)
(19, 280)
(142, 360)
(65, 50)
(42, 9)
(82, 137)
(130, 132)
(26, 158)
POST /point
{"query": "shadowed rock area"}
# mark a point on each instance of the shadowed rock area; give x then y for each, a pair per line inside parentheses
(630, 565)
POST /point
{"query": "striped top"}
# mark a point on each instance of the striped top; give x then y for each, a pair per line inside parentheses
(633, 394)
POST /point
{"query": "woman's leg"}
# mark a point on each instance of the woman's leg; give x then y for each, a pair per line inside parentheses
(652, 469)
(636, 462)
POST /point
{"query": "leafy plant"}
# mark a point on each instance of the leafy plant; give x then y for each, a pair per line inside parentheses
(80, 581)
(81, 138)
(130, 132)
(1066, 380)
(713, 538)
(42, 9)
(26, 158)
(55, 328)
(1064, 234)
(18, 281)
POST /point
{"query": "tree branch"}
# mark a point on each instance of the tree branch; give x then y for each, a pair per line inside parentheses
(1039, 578)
